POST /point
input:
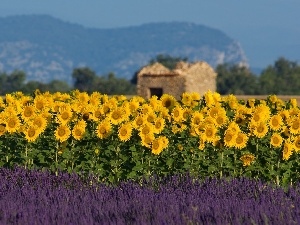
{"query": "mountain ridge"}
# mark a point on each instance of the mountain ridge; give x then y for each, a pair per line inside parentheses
(47, 48)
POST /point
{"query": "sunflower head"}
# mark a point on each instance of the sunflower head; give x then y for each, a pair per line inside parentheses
(241, 140)
(287, 150)
(168, 101)
(296, 143)
(247, 159)
(78, 132)
(125, 131)
(275, 122)
(276, 140)
(103, 129)
(13, 124)
(62, 133)
(31, 133)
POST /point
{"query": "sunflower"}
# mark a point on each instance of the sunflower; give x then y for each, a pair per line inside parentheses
(31, 133)
(186, 99)
(275, 122)
(276, 140)
(40, 102)
(211, 98)
(62, 133)
(215, 111)
(97, 114)
(286, 131)
(40, 122)
(146, 108)
(210, 133)
(168, 101)
(186, 113)
(264, 111)
(125, 131)
(197, 118)
(95, 99)
(295, 126)
(150, 117)
(106, 108)
(127, 115)
(165, 141)
(155, 103)
(159, 125)
(28, 112)
(146, 129)
(260, 130)
(233, 126)
(177, 114)
(257, 118)
(139, 121)
(287, 150)
(2, 128)
(83, 97)
(195, 96)
(294, 112)
(221, 120)
(65, 114)
(78, 131)
(158, 145)
(296, 143)
(240, 119)
(13, 123)
(229, 138)
(241, 140)
(146, 140)
(272, 98)
(103, 129)
(116, 116)
(133, 105)
(293, 102)
(247, 159)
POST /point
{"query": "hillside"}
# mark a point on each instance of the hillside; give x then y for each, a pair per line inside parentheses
(47, 48)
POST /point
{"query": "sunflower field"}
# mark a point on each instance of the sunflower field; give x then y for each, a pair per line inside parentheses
(116, 138)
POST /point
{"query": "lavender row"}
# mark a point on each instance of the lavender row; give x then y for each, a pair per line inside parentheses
(33, 197)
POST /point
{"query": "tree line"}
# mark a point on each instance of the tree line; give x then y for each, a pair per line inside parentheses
(281, 78)
(84, 79)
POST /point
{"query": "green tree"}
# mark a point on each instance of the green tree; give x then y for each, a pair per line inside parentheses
(167, 60)
(281, 78)
(12, 82)
(235, 79)
(112, 85)
(84, 79)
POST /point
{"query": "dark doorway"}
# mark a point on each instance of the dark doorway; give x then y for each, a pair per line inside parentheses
(156, 91)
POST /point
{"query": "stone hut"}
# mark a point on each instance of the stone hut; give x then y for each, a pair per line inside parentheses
(156, 79)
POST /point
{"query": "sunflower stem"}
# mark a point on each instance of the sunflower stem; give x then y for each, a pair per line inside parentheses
(56, 159)
(221, 170)
(277, 176)
(26, 153)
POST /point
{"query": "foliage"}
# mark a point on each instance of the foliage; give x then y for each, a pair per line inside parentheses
(118, 138)
(235, 79)
(86, 80)
(282, 78)
(16, 81)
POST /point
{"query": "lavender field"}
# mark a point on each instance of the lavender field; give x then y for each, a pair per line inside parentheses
(35, 197)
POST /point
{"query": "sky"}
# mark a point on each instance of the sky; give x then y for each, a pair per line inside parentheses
(266, 29)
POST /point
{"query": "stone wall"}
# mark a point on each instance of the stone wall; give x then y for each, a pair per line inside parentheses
(186, 77)
(171, 84)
